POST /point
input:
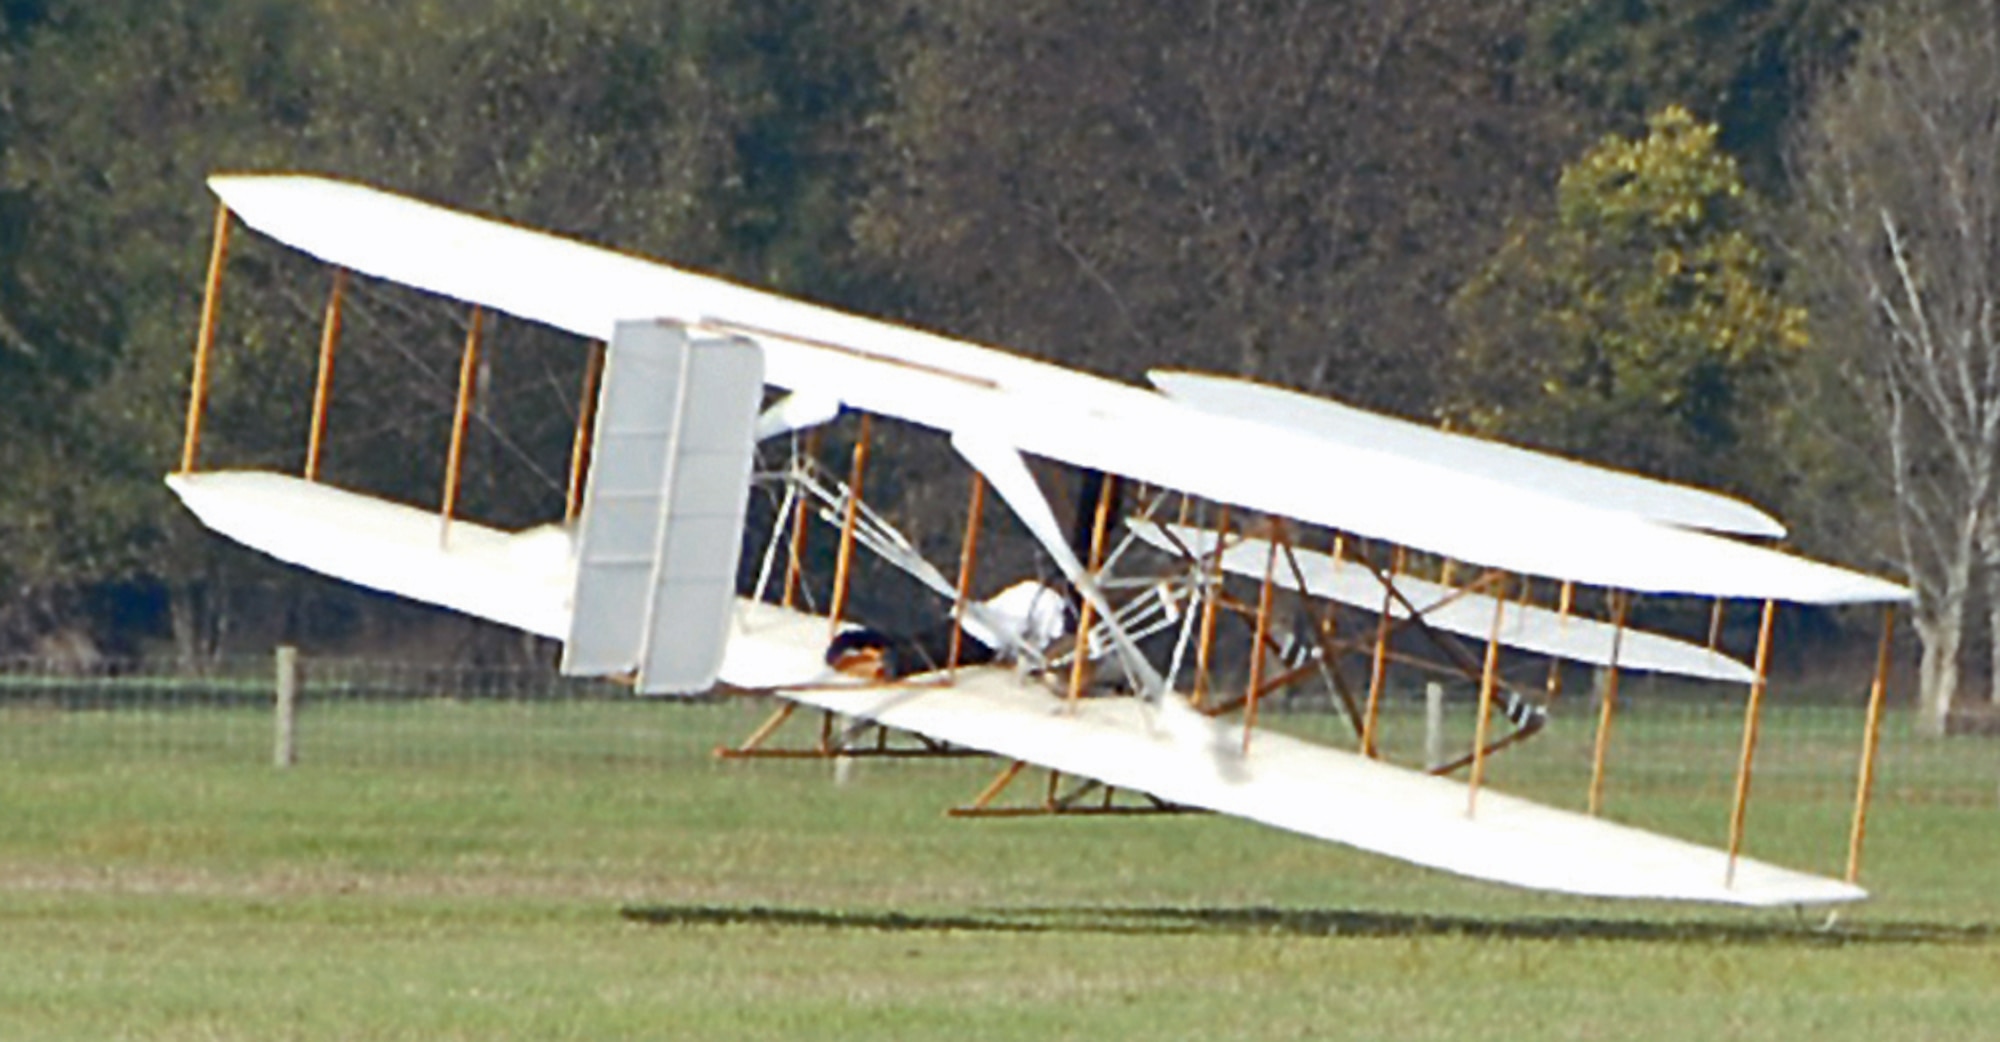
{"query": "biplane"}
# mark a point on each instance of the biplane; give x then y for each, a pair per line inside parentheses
(1225, 538)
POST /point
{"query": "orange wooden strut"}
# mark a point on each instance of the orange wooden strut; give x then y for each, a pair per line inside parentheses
(1338, 551)
(1080, 656)
(586, 421)
(795, 555)
(1751, 716)
(1565, 600)
(1484, 718)
(992, 789)
(329, 338)
(968, 561)
(1871, 738)
(845, 560)
(1378, 667)
(1204, 651)
(1620, 604)
(1273, 533)
(204, 342)
(1079, 665)
(468, 373)
(763, 731)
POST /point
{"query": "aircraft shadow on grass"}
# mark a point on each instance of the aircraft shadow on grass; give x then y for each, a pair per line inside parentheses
(1329, 923)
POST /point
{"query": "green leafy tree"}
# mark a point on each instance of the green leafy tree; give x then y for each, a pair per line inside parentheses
(1643, 323)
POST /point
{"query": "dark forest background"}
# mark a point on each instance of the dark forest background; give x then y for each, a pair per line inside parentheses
(1606, 227)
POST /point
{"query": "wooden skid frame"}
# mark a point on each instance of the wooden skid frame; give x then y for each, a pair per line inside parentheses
(1078, 801)
(836, 744)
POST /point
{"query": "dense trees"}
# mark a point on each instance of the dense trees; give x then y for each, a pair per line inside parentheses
(1287, 190)
(1348, 197)
(624, 121)
(1749, 66)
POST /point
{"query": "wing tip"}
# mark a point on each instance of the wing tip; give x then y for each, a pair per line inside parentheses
(1697, 509)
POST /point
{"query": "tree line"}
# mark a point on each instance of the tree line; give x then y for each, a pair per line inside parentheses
(1745, 243)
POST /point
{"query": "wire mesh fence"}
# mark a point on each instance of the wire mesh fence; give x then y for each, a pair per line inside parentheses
(348, 713)
(360, 713)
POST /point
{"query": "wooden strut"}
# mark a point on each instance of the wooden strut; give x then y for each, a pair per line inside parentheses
(1227, 603)
(1205, 648)
(468, 373)
(1462, 665)
(329, 338)
(1378, 669)
(586, 422)
(1455, 669)
(763, 731)
(1485, 715)
(1404, 658)
(1326, 636)
(1514, 737)
(845, 560)
(1751, 716)
(1564, 602)
(1415, 616)
(204, 343)
(1079, 666)
(1055, 802)
(1480, 583)
(1274, 533)
(795, 547)
(1466, 665)
(1282, 680)
(826, 748)
(1462, 661)
(993, 789)
(1871, 738)
(1620, 604)
(968, 562)
(1330, 647)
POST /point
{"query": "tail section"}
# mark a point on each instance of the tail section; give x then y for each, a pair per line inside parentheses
(662, 522)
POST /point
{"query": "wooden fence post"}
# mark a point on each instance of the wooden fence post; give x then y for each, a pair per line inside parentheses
(1433, 726)
(285, 750)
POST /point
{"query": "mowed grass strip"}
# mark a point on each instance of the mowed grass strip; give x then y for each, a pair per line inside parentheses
(454, 870)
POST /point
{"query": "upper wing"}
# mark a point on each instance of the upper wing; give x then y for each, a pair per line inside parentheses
(1571, 481)
(999, 398)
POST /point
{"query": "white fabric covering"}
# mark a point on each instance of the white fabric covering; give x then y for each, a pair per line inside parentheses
(995, 398)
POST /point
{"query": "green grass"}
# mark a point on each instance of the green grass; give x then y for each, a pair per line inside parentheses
(588, 870)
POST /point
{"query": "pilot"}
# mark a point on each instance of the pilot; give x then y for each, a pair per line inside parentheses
(1026, 614)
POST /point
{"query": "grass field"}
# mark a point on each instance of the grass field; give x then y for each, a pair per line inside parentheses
(610, 879)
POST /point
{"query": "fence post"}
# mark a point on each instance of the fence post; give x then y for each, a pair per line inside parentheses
(1433, 726)
(285, 751)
